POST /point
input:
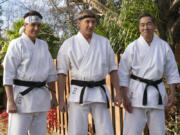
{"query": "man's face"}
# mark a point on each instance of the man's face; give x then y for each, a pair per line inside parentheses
(32, 29)
(87, 26)
(146, 27)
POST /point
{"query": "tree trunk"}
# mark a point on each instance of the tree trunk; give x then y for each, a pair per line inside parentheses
(170, 26)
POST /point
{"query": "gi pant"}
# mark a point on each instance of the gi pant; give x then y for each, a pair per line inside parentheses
(78, 119)
(134, 122)
(21, 123)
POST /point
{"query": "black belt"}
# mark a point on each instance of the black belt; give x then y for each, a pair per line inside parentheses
(29, 84)
(148, 83)
(90, 84)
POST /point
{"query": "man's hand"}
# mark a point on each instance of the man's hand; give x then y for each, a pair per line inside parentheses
(127, 104)
(126, 101)
(115, 82)
(170, 103)
(171, 97)
(51, 87)
(11, 105)
(54, 102)
(63, 106)
(61, 87)
(117, 99)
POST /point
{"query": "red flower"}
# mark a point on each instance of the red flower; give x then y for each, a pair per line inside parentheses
(52, 122)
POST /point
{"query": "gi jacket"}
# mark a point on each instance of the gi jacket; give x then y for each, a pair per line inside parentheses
(149, 62)
(27, 61)
(87, 62)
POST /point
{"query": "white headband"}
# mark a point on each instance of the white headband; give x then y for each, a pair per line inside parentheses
(32, 19)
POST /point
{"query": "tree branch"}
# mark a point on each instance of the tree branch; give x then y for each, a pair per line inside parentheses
(3, 1)
(174, 6)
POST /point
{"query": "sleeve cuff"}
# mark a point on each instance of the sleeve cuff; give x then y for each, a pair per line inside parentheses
(175, 81)
(7, 81)
(113, 68)
(124, 84)
(52, 78)
(62, 72)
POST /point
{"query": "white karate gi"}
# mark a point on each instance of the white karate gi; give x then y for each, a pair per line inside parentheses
(149, 62)
(87, 62)
(27, 61)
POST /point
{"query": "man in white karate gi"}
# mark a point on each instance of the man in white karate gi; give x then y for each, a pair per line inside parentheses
(141, 69)
(28, 66)
(90, 58)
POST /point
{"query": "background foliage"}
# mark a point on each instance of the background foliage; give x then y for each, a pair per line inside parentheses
(46, 34)
(124, 29)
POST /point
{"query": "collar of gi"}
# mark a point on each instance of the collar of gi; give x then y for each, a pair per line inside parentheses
(87, 16)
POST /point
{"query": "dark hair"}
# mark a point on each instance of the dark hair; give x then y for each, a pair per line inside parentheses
(31, 13)
(147, 15)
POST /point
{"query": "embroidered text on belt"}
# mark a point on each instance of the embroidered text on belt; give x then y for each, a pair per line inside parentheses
(30, 84)
(90, 84)
(149, 83)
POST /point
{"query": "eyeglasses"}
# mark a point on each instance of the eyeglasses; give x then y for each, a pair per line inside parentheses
(148, 24)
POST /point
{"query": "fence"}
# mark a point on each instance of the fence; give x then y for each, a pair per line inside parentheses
(117, 113)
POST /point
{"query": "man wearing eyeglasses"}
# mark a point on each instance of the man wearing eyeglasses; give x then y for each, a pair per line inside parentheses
(144, 95)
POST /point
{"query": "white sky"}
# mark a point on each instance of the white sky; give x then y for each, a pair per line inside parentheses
(14, 9)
